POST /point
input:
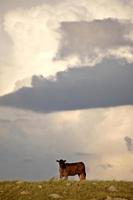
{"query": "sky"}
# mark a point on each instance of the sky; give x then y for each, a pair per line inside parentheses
(66, 71)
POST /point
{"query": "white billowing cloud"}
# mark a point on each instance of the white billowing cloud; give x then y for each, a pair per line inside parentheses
(97, 9)
(6, 61)
(96, 136)
(35, 41)
(6, 76)
(114, 8)
(36, 36)
(26, 82)
(123, 52)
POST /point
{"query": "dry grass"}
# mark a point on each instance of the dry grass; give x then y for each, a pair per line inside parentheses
(66, 190)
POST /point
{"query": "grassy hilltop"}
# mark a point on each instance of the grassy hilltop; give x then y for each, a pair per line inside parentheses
(66, 190)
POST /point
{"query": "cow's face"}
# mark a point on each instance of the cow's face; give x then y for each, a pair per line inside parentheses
(61, 162)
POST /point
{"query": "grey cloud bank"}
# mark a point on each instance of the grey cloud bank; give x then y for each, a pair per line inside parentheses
(107, 84)
(31, 142)
(88, 40)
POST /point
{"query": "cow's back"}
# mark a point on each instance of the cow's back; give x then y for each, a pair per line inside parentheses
(75, 168)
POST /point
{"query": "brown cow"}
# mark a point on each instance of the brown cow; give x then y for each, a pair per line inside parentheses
(71, 169)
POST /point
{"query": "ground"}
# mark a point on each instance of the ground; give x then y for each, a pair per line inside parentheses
(66, 190)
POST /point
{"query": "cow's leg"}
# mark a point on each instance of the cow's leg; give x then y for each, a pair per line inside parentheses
(82, 177)
(61, 176)
(66, 178)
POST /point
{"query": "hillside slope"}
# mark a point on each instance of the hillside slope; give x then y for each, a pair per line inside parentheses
(67, 190)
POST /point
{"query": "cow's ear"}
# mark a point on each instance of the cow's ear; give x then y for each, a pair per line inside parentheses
(57, 160)
(64, 161)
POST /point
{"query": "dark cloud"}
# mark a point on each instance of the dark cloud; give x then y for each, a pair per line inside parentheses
(129, 143)
(86, 39)
(107, 84)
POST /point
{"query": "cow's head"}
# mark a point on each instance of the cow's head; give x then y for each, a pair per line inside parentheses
(61, 163)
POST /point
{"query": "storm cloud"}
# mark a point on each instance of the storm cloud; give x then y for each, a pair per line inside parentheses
(31, 142)
(107, 84)
(95, 39)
